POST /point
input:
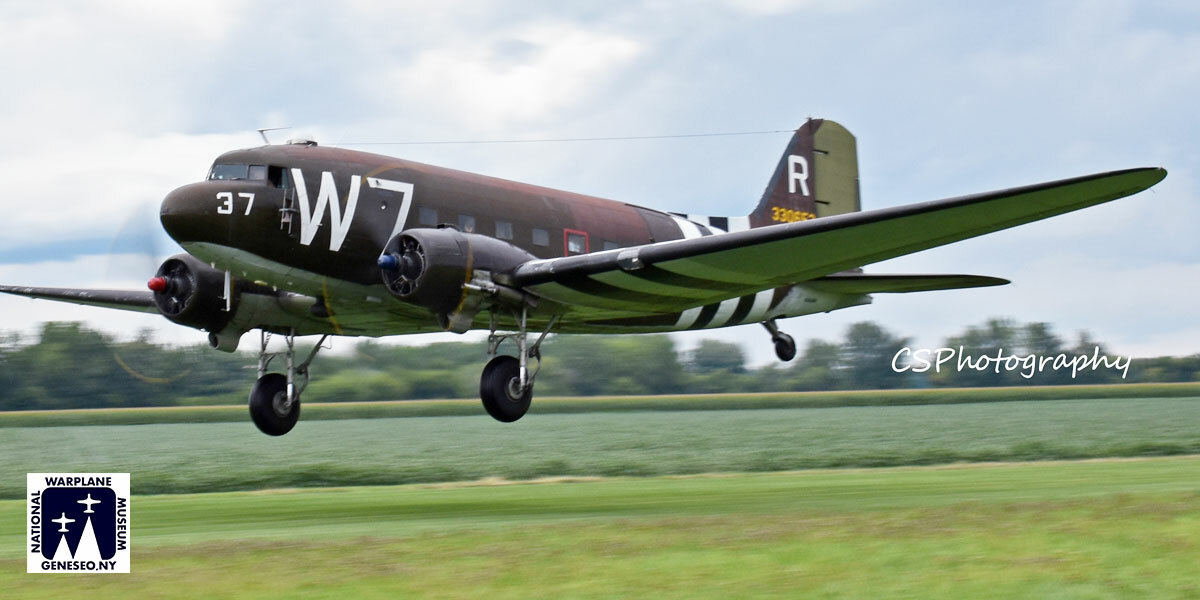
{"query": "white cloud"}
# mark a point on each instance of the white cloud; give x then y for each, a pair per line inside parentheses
(761, 8)
(77, 69)
(89, 188)
(950, 99)
(497, 82)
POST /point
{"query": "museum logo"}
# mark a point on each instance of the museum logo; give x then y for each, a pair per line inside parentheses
(77, 523)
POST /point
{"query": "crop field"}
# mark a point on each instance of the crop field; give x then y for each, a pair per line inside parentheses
(319, 411)
(1092, 529)
(210, 457)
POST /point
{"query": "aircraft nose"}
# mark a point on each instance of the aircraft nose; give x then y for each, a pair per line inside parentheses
(170, 211)
(176, 210)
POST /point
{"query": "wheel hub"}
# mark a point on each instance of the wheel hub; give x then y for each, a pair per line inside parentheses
(514, 390)
(281, 403)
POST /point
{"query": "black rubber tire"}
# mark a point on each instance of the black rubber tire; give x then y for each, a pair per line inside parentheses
(495, 393)
(267, 405)
(785, 347)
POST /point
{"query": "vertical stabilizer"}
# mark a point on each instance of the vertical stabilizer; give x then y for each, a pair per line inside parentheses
(817, 176)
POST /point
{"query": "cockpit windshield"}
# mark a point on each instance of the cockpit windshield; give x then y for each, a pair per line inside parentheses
(228, 172)
(253, 172)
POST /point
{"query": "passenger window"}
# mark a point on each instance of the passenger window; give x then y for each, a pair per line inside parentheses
(466, 223)
(429, 217)
(576, 242)
(611, 245)
(541, 237)
(504, 230)
(258, 172)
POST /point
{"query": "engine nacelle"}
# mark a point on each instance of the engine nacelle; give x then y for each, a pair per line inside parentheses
(433, 267)
(192, 294)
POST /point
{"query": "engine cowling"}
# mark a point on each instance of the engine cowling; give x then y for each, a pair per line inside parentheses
(429, 267)
(189, 292)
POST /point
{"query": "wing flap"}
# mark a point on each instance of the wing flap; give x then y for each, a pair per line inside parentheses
(743, 262)
(138, 301)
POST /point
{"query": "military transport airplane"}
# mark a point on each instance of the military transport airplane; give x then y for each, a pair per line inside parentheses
(299, 239)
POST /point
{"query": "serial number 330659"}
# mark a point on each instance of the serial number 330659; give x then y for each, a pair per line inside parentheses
(787, 215)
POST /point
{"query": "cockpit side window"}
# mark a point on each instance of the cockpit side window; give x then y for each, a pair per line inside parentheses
(278, 176)
(258, 172)
(229, 172)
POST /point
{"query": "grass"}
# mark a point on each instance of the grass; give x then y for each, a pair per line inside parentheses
(316, 411)
(176, 458)
(1102, 529)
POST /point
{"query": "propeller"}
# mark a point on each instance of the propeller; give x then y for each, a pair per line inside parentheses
(173, 285)
(137, 249)
(407, 266)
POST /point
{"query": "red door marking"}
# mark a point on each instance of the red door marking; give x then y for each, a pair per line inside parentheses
(566, 236)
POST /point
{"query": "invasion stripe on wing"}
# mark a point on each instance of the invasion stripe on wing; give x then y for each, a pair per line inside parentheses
(665, 277)
(725, 310)
(657, 285)
(649, 285)
(719, 224)
(706, 315)
(687, 317)
(762, 303)
(745, 303)
(609, 292)
(746, 309)
(689, 229)
(735, 311)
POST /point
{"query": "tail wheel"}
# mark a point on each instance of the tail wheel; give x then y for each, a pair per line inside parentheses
(785, 347)
(500, 389)
(273, 412)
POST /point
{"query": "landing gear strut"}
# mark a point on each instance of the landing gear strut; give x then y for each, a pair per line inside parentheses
(275, 397)
(785, 346)
(506, 386)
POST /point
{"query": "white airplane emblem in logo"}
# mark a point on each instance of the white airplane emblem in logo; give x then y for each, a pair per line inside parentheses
(89, 502)
(62, 521)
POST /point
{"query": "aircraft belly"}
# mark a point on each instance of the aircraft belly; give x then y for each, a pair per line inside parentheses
(616, 302)
(356, 309)
(791, 301)
(595, 295)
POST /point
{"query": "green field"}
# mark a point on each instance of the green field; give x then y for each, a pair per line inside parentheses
(1110, 528)
(1100, 529)
(236, 413)
(174, 458)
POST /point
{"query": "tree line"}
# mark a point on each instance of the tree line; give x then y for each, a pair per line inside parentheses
(68, 365)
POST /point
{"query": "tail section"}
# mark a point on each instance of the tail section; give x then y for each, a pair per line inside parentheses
(817, 176)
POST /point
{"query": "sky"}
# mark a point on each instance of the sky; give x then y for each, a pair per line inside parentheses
(109, 106)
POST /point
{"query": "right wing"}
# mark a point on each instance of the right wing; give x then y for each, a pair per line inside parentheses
(139, 301)
(680, 274)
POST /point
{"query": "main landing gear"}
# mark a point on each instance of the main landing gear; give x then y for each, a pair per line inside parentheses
(506, 386)
(275, 397)
(785, 346)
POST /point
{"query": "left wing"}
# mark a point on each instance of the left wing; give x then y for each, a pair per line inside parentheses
(139, 301)
(680, 274)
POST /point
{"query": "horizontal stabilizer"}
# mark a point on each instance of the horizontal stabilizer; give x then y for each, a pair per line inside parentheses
(139, 301)
(879, 283)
